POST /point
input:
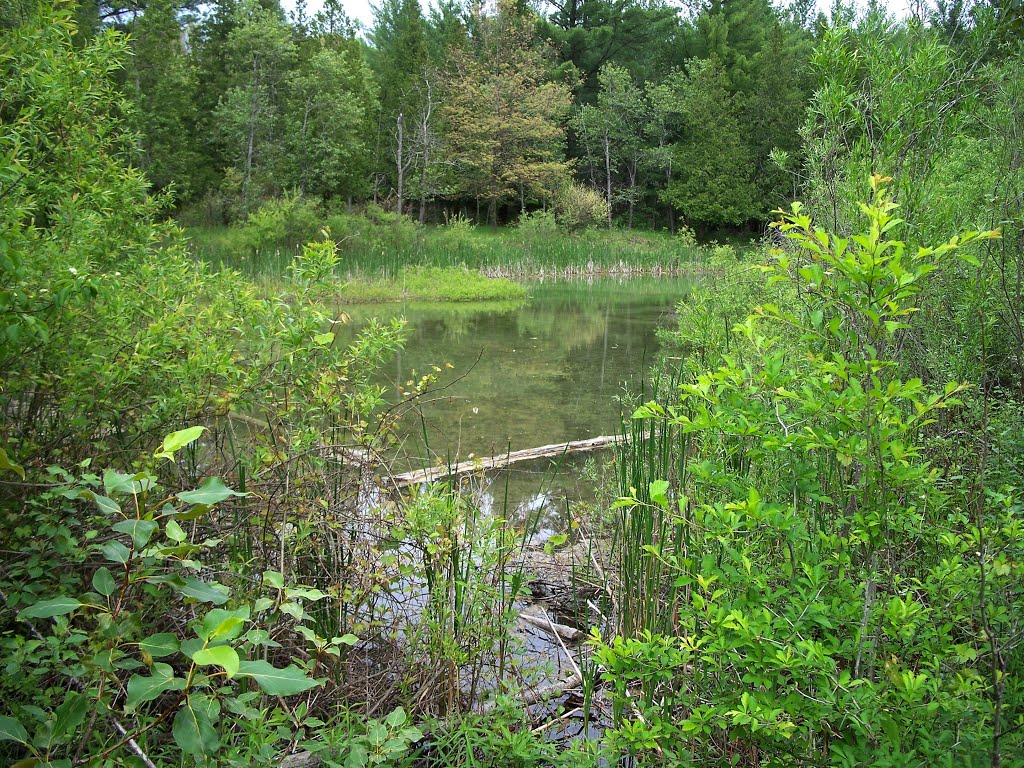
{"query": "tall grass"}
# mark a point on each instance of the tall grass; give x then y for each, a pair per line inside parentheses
(649, 533)
(370, 249)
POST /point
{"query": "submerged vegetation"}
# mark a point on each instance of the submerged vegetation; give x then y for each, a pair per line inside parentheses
(813, 552)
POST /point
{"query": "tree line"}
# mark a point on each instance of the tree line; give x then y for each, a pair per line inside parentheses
(667, 115)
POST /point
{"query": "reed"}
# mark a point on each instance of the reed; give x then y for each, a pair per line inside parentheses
(383, 251)
(651, 470)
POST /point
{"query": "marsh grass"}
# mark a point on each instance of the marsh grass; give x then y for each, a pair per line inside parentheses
(370, 250)
(430, 284)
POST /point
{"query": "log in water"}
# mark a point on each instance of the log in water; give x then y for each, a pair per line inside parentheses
(503, 460)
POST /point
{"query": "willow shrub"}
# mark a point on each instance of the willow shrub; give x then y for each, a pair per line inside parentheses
(112, 334)
(832, 597)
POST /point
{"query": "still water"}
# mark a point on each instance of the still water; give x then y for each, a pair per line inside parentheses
(557, 367)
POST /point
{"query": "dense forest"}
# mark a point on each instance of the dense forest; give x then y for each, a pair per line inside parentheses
(491, 111)
(807, 545)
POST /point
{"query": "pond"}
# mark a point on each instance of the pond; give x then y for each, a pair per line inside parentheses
(554, 368)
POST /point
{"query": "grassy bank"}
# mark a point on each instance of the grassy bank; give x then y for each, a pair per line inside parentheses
(430, 284)
(382, 246)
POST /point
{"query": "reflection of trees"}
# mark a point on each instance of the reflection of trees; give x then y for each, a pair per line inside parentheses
(529, 391)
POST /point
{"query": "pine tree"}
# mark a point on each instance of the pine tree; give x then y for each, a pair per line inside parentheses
(711, 182)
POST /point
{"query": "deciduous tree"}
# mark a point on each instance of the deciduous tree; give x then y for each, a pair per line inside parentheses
(503, 114)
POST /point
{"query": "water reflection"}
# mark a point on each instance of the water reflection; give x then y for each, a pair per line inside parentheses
(549, 370)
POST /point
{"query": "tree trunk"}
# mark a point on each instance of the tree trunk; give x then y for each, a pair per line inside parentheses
(253, 111)
(423, 183)
(608, 174)
(400, 181)
(302, 153)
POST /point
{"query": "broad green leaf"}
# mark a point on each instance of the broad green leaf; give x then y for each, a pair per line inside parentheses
(357, 756)
(262, 603)
(220, 624)
(294, 610)
(12, 730)
(146, 688)
(396, 718)
(103, 581)
(107, 506)
(119, 482)
(323, 339)
(177, 440)
(160, 645)
(193, 732)
(305, 593)
(70, 714)
(273, 579)
(116, 552)
(140, 530)
(223, 656)
(6, 463)
(210, 706)
(212, 491)
(203, 591)
(346, 639)
(174, 531)
(277, 682)
(47, 609)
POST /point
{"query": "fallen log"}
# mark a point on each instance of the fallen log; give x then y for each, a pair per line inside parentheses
(569, 634)
(406, 479)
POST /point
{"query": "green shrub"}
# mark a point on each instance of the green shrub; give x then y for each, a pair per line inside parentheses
(537, 222)
(577, 206)
(282, 223)
(833, 597)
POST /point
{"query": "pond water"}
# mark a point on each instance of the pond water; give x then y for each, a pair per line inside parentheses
(553, 368)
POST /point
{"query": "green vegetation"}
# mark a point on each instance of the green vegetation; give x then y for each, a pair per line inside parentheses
(432, 284)
(816, 552)
(382, 245)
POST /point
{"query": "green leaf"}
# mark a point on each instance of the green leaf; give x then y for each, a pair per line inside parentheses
(160, 645)
(174, 531)
(6, 463)
(177, 440)
(70, 714)
(357, 756)
(277, 682)
(47, 609)
(223, 656)
(107, 506)
(396, 718)
(203, 591)
(220, 624)
(103, 581)
(193, 732)
(12, 730)
(116, 552)
(305, 593)
(212, 491)
(146, 688)
(140, 530)
(273, 579)
(119, 482)
(323, 339)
